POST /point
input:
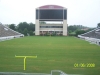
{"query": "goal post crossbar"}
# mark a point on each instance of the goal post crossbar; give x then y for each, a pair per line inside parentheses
(25, 59)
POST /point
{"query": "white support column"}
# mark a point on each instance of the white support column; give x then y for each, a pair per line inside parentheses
(37, 27)
(64, 27)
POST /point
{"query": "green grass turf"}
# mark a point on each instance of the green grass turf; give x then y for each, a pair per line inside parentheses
(54, 53)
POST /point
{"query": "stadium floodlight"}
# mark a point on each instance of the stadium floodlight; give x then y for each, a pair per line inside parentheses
(25, 58)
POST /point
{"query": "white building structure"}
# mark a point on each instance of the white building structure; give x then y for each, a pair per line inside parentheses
(51, 13)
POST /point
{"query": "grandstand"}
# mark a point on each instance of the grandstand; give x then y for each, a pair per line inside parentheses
(92, 36)
(7, 33)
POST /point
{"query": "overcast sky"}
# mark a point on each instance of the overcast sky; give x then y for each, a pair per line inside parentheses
(80, 12)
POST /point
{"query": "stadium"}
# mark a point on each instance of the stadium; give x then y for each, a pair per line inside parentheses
(49, 55)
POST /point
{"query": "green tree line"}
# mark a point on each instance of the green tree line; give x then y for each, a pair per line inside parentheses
(28, 29)
(23, 27)
(75, 30)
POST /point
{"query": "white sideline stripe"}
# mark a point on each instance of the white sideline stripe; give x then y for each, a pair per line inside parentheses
(21, 73)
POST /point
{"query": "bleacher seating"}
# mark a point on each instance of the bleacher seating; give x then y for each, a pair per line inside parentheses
(7, 33)
(92, 36)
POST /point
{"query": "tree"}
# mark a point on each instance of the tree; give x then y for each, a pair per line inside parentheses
(31, 33)
(20, 31)
(31, 27)
(78, 32)
(72, 28)
(25, 32)
(26, 28)
(23, 25)
(12, 26)
(98, 25)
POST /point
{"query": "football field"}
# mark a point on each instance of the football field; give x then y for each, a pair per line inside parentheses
(69, 54)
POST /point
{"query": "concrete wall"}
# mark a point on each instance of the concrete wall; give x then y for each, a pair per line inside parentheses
(64, 27)
(37, 27)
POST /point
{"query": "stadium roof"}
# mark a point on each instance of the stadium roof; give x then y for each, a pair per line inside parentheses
(51, 7)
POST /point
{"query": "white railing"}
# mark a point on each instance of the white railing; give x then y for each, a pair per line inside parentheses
(57, 72)
(10, 37)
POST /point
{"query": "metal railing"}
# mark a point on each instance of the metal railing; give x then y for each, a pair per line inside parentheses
(57, 72)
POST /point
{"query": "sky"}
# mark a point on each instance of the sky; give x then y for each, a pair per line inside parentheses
(79, 12)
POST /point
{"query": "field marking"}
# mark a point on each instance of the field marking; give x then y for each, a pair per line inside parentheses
(25, 59)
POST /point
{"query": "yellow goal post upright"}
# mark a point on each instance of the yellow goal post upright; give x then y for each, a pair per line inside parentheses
(25, 59)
